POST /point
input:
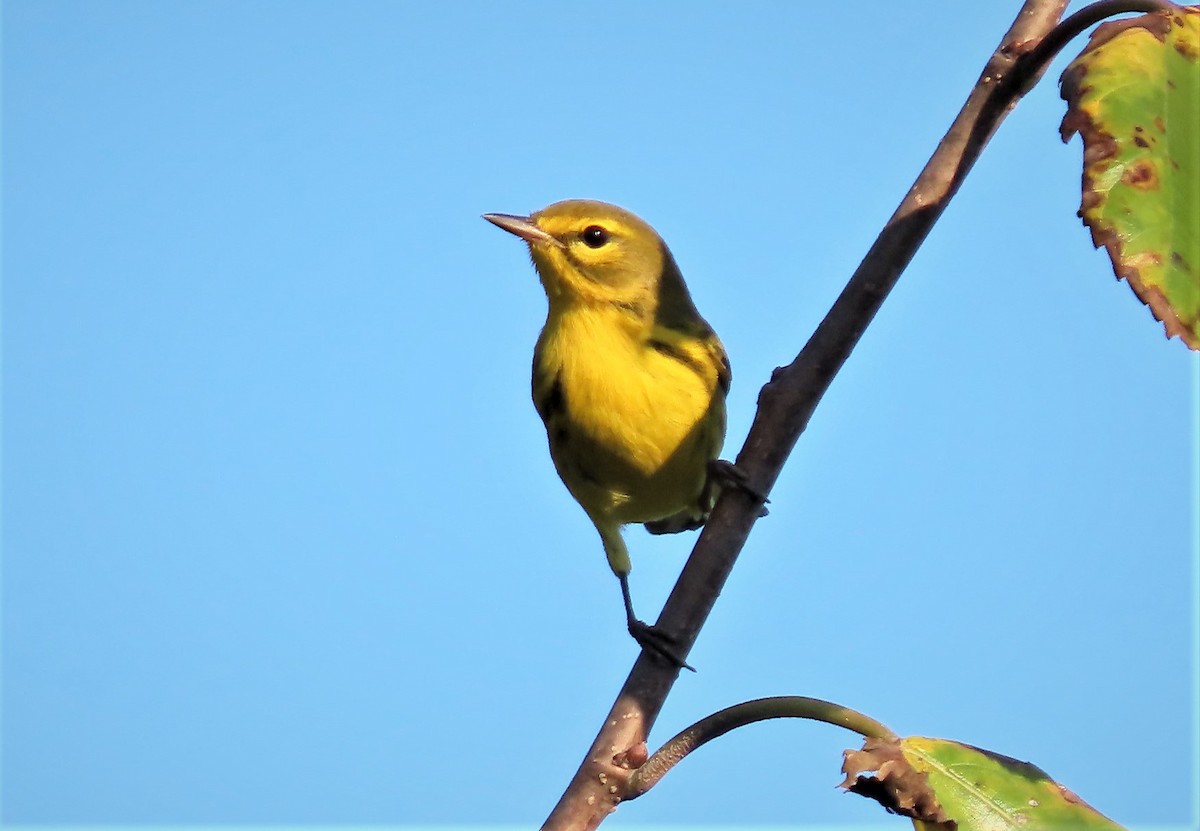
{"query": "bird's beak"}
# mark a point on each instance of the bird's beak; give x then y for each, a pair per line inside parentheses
(524, 227)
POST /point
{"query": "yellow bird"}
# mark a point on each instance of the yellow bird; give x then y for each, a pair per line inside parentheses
(628, 378)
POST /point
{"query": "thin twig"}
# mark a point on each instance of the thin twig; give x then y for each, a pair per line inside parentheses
(739, 715)
(787, 402)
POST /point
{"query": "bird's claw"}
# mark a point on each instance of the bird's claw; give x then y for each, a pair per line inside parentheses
(656, 642)
(730, 475)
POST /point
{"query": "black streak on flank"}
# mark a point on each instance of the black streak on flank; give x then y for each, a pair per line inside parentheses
(678, 355)
(724, 374)
(553, 403)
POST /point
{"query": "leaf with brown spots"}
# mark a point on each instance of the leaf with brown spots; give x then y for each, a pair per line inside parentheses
(1132, 95)
(948, 785)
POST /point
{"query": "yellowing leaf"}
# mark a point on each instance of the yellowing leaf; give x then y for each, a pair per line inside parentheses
(945, 784)
(1134, 97)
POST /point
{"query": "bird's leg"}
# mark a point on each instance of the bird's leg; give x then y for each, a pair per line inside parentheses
(724, 474)
(650, 638)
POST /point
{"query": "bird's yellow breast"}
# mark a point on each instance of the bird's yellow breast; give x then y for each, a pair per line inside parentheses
(632, 424)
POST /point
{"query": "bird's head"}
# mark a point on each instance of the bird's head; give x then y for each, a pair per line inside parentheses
(592, 252)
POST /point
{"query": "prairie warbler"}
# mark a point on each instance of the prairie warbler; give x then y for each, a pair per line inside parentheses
(628, 378)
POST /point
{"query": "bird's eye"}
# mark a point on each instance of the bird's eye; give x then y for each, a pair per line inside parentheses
(594, 236)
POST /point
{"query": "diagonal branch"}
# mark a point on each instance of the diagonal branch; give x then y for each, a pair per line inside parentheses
(787, 402)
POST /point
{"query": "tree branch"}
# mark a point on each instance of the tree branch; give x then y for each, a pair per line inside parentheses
(787, 402)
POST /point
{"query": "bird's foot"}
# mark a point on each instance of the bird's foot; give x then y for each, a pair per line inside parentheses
(656, 642)
(729, 475)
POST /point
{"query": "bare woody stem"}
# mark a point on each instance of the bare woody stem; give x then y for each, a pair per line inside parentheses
(739, 715)
(787, 402)
(1076, 24)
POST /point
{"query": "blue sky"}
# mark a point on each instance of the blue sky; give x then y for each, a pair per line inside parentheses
(282, 542)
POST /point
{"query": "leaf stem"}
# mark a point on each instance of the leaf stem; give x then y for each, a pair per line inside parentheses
(739, 715)
(1034, 63)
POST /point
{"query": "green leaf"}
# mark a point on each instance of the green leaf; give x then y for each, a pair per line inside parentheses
(984, 790)
(1132, 95)
(946, 784)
